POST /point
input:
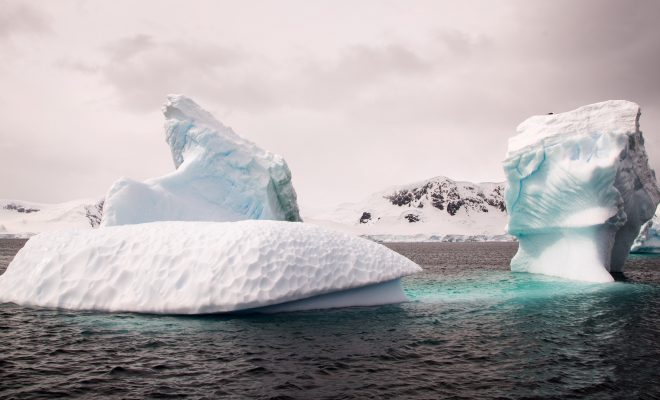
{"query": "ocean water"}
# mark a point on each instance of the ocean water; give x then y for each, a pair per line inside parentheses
(472, 330)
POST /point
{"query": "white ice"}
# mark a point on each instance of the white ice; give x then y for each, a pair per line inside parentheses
(219, 176)
(579, 189)
(203, 267)
(648, 240)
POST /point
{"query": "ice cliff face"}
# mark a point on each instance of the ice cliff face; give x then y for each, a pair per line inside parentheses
(219, 176)
(648, 240)
(579, 189)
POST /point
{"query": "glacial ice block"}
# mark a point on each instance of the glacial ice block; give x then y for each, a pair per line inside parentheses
(648, 240)
(219, 176)
(579, 189)
(204, 267)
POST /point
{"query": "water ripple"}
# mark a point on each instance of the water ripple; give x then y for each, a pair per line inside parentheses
(473, 330)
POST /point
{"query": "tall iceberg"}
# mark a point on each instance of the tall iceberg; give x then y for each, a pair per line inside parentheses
(579, 189)
(219, 176)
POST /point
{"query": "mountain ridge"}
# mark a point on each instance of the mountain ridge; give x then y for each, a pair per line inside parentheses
(437, 206)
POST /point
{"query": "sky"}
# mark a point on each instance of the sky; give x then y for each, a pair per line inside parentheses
(357, 96)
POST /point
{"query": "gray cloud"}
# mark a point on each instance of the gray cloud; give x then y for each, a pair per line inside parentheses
(601, 48)
(367, 63)
(77, 66)
(19, 18)
(143, 70)
(356, 97)
(126, 48)
(462, 44)
(140, 68)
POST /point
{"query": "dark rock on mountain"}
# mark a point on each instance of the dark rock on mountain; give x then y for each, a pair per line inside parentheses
(446, 194)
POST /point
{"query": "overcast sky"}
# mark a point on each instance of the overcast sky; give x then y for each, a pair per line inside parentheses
(355, 95)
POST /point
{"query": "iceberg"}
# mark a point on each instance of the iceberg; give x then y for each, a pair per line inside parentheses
(648, 240)
(183, 267)
(219, 176)
(579, 189)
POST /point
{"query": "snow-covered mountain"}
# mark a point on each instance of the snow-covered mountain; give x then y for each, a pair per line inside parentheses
(20, 218)
(438, 209)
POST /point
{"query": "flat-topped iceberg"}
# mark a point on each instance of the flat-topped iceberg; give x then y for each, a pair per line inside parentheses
(219, 176)
(204, 267)
(648, 240)
(579, 189)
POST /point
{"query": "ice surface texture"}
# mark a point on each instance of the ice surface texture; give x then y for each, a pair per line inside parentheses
(648, 240)
(219, 177)
(579, 189)
(203, 267)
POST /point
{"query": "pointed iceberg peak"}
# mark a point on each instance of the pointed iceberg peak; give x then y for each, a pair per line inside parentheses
(181, 107)
(219, 176)
(579, 189)
(186, 122)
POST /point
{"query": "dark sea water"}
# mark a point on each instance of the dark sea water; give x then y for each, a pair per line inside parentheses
(472, 330)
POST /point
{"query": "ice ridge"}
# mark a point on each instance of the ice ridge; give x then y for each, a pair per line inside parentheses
(219, 176)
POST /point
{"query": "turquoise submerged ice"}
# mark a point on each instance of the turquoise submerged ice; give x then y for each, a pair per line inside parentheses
(219, 176)
(579, 189)
(204, 267)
